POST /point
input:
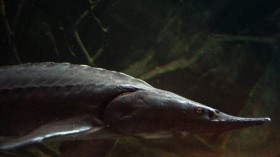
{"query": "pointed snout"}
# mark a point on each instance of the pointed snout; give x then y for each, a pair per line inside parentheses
(234, 122)
(234, 119)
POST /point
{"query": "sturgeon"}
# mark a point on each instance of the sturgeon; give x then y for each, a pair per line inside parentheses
(64, 102)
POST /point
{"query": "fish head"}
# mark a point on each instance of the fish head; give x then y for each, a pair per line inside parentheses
(159, 113)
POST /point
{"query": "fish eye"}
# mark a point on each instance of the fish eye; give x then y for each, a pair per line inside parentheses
(199, 110)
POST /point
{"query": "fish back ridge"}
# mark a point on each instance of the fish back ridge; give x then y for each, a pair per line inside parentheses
(62, 74)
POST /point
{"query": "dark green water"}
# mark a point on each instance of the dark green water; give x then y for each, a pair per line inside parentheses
(225, 54)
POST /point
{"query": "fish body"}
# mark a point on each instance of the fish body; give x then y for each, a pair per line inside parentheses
(36, 94)
(62, 101)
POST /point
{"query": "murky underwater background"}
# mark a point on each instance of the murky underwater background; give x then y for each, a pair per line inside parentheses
(222, 53)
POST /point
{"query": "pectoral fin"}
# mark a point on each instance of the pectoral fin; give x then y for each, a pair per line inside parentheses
(69, 127)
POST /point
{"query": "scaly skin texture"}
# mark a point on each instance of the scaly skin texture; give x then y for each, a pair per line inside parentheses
(46, 100)
(34, 94)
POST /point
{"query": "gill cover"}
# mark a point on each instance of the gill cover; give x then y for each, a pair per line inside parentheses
(141, 112)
